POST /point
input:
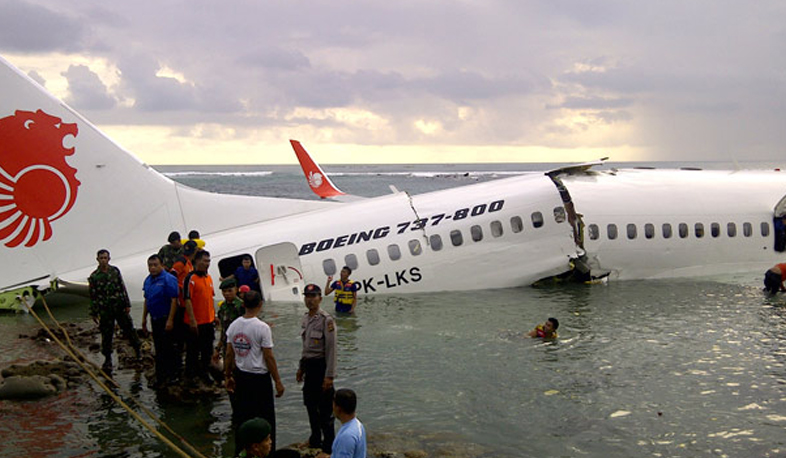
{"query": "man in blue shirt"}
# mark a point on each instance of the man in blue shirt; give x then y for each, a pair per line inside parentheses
(350, 442)
(161, 293)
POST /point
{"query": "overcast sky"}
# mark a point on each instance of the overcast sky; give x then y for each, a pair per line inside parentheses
(415, 81)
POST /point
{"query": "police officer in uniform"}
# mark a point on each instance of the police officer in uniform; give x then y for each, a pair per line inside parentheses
(318, 369)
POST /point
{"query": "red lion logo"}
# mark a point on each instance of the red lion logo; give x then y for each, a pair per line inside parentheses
(37, 186)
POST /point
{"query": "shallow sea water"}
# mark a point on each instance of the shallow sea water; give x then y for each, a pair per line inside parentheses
(680, 368)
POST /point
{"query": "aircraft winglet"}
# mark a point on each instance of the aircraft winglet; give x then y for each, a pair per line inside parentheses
(318, 181)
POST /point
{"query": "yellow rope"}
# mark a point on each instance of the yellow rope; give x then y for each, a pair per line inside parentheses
(147, 411)
(117, 399)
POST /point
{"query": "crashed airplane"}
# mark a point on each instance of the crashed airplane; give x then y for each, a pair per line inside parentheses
(67, 190)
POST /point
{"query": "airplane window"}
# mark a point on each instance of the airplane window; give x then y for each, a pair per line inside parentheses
(666, 230)
(496, 228)
(516, 225)
(594, 232)
(765, 229)
(699, 230)
(456, 238)
(414, 247)
(394, 252)
(611, 230)
(351, 261)
(747, 229)
(436, 242)
(649, 230)
(715, 229)
(537, 219)
(477, 233)
(683, 230)
(559, 214)
(329, 266)
(373, 256)
(631, 231)
(731, 229)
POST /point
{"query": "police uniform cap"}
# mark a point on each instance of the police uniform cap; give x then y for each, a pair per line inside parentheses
(228, 283)
(253, 431)
(189, 247)
(311, 289)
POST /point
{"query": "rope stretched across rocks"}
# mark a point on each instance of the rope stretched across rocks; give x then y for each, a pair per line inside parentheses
(115, 397)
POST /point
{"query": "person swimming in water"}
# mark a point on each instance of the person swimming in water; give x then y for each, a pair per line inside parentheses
(547, 330)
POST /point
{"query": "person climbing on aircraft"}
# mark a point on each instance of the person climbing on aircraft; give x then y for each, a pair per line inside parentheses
(774, 278)
(171, 251)
(193, 236)
(547, 330)
(346, 297)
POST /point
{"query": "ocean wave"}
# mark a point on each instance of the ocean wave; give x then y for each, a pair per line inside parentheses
(262, 173)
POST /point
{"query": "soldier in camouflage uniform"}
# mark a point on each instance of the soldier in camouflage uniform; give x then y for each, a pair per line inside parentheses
(171, 251)
(228, 310)
(109, 302)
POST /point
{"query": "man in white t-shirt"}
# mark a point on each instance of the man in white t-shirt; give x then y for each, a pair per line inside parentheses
(249, 366)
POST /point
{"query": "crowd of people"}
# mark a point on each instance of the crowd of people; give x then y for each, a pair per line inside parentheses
(179, 298)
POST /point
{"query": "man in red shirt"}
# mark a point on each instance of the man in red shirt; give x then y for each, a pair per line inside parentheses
(182, 267)
(200, 317)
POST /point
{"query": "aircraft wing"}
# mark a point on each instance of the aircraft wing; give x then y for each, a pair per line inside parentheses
(576, 168)
(317, 179)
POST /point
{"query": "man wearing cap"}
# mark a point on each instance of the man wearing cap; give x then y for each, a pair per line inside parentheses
(170, 252)
(161, 292)
(318, 369)
(200, 315)
(250, 365)
(253, 439)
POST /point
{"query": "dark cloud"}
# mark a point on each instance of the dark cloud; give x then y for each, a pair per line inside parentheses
(275, 59)
(26, 27)
(673, 74)
(596, 103)
(153, 93)
(87, 91)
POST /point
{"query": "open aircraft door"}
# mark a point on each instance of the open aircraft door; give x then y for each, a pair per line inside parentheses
(280, 272)
(780, 209)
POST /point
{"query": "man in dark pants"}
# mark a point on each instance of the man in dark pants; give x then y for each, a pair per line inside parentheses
(249, 367)
(109, 302)
(200, 316)
(161, 293)
(318, 369)
(183, 266)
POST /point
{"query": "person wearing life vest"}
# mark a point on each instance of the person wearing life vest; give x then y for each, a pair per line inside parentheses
(346, 297)
(547, 330)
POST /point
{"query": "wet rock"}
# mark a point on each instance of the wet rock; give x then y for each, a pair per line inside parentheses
(31, 387)
(67, 371)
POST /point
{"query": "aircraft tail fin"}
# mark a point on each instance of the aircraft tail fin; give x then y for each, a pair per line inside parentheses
(317, 179)
(67, 190)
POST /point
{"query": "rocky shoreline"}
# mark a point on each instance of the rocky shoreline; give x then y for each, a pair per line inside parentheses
(40, 379)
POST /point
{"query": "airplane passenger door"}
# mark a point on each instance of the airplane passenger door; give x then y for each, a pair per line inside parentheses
(280, 272)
